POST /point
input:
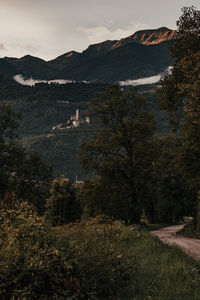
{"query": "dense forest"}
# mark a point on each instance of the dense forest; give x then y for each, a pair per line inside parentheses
(140, 163)
(44, 106)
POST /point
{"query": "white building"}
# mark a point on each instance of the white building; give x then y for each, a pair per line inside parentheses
(74, 122)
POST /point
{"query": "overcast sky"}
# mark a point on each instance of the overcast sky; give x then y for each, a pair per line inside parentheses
(49, 28)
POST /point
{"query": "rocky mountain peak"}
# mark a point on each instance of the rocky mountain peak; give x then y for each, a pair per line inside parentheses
(153, 36)
(71, 53)
(108, 61)
(148, 37)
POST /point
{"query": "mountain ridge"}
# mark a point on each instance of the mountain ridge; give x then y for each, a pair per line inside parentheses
(144, 53)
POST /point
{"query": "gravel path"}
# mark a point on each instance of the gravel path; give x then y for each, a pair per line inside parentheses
(189, 245)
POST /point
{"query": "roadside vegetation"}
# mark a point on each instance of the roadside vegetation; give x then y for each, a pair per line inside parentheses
(93, 259)
(189, 230)
(59, 240)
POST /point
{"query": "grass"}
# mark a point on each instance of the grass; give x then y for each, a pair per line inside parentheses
(161, 272)
(189, 231)
(158, 226)
(165, 272)
(106, 265)
(95, 259)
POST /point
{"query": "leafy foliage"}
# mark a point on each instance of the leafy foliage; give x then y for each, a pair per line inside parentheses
(181, 94)
(165, 272)
(23, 175)
(62, 206)
(46, 105)
(104, 260)
(31, 265)
(172, 197)
(122, 150)
(8, 123)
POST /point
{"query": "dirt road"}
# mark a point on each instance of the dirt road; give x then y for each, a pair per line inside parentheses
(168, 235)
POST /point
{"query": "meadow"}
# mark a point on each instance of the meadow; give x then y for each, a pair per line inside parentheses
(96, 258)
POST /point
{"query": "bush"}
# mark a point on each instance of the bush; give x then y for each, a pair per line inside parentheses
(30, 265)
(105, 263)
(62, 207)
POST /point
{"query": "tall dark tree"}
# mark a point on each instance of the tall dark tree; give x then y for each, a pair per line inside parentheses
(180, 90)
(174, 197)
(122, 151)
(63, 206)
(8, 123)
(8, 126)
(23, 175)
(181, 94)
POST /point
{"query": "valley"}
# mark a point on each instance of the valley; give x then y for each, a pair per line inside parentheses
(99, 151)
(30, 86)
(44, 106)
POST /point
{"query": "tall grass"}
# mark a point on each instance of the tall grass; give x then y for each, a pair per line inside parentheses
(155, 270)
(164, 272)
(95, 259)
(105, 263)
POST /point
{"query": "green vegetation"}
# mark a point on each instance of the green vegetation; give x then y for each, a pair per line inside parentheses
(135, 170)
(46, 105)
(104, 260)
(190, 231)
(30, 264)
(155, 270)
(134, 173)
(63, 206)
(23, 174)
(180, 97)
(94, 259)
(166, 272)
(122, 150)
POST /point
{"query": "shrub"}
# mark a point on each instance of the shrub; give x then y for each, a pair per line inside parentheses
(101, 249)
(62, 207)
(30, 265)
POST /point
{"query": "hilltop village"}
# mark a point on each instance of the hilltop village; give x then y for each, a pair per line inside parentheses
(74, 122)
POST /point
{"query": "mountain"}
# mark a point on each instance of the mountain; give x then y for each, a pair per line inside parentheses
(142, 54)
(30, 66)
(153, 36)
(44, 106)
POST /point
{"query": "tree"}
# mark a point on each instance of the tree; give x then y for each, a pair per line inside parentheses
(180, 90)
(8, 123)
(32, 180)
(180, 94)
(62, 206)
(99, 196)
(175, 198)
(24, 176)
(122, 151)
(32, 265)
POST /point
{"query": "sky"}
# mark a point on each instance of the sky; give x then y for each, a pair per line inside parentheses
(49, 28)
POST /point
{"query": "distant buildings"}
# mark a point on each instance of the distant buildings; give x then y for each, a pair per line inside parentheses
(74, 122)
(78, 182)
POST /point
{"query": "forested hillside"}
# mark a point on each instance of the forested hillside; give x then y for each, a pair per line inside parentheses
(44, 106)
(139, 149)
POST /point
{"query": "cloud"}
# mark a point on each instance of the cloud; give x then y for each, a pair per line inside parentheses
(31, 82)
(141, 81)
(146, 80)
(101, 33)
